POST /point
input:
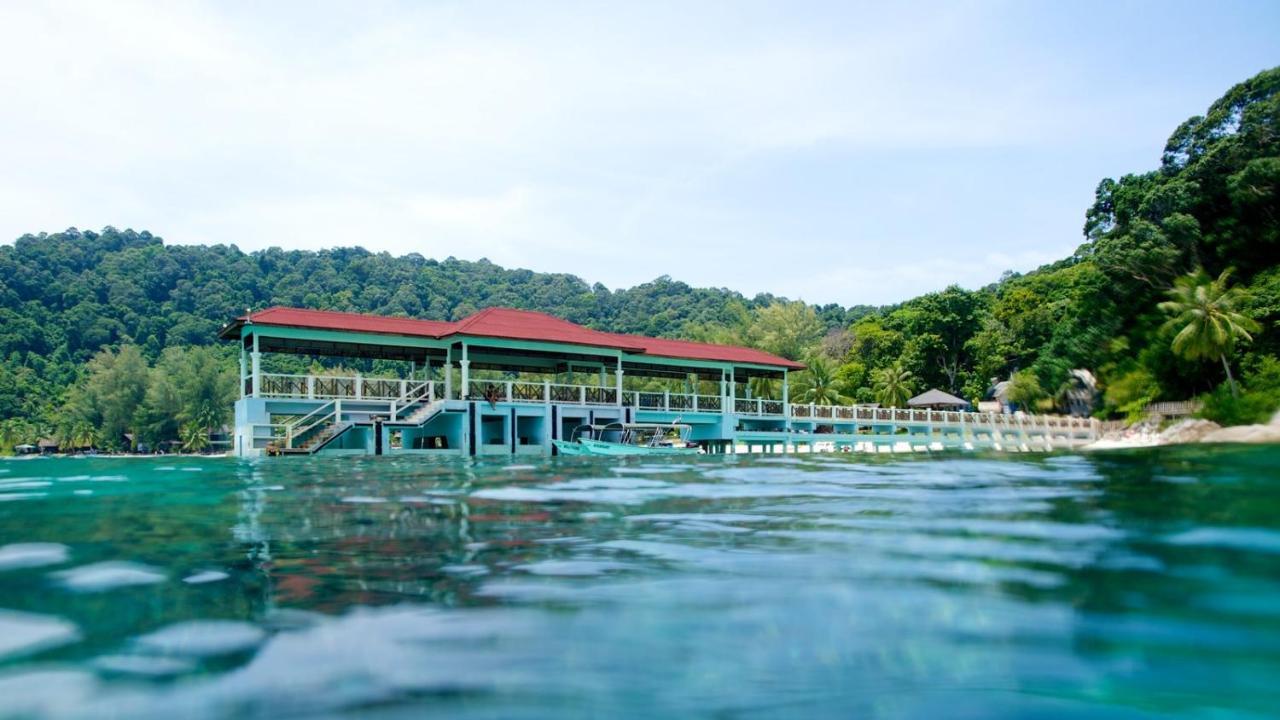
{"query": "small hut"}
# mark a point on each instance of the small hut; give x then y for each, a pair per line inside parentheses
(936, 399)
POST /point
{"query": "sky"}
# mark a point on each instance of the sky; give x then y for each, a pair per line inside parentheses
(835, 152)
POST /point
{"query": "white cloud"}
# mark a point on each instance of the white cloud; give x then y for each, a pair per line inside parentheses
(610, 142)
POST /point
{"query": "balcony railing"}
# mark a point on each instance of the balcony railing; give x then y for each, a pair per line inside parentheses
(398, 391)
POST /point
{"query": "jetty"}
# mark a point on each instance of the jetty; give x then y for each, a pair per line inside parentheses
(509, 382)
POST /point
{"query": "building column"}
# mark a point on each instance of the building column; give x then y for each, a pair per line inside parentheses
(448, 373)
(618, 381)
(466, 373)
(786, 411)
(243, 370)
(256, 360)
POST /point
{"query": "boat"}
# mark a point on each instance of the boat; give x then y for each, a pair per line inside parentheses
(629, 439)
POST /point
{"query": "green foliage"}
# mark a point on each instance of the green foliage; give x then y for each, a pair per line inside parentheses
(17, 431)
(1204, 318)
(894, 386)
(1025, 389)
(1131, 392)
(788, 329)
(1256, 403)
(818, 384)
(195, 437)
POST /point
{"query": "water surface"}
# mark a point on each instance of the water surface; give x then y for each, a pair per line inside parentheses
(1124, 584)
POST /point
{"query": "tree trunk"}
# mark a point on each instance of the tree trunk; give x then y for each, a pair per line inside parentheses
(1230, 380)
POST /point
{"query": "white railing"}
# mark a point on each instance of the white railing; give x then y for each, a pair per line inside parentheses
(403, 394)
(413, 398)
(312, 420)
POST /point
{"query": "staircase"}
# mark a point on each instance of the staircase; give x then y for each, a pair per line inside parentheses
(421, 415)
(311, 432)
(318, 440)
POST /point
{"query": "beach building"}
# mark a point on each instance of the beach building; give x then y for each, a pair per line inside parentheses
(509, 382)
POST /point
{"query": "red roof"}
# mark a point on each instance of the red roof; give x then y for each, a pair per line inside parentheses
(689, 350)
(330, 320)
(512, 324)
(508, 324)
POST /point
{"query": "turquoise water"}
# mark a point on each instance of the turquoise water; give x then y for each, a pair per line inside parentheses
(1128, 584)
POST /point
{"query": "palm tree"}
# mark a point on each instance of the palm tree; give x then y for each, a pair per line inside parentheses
(817, 384)
(78, 435)
(762, 387)
(1203, 312)
(893, 385)
(194, 437)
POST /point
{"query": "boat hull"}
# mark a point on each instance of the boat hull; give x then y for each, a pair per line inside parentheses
(598, 447)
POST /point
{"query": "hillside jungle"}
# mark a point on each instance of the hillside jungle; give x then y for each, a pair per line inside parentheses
(1174, 294)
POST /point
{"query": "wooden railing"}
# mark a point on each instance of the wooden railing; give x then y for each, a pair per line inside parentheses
(1174, 408)
(329, 387)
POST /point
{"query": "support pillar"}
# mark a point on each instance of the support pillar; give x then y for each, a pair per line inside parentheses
(618, 381)
(786, 409)
(255, 359)
(448, 374)
(243, 370)
(466, 373)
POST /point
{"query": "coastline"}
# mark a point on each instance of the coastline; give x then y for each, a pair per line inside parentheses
(1187, 432)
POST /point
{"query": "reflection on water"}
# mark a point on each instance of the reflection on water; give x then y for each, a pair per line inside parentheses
(1126, 584)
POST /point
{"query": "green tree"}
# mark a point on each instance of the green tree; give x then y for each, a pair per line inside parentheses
(17, 431)
(788, 329)
(818, 384)
(1025, 389)
(894, 386)
(763, 387)
(111, 394)
(1204, 317)
(195, 438)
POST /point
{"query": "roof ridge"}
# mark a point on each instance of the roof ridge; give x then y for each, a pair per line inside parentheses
(472, 319)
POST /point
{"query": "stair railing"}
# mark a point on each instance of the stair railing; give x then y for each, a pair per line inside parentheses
(411, 397)
(292, 431)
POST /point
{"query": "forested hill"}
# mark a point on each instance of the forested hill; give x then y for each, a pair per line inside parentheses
(1167, 235)
(65, 296)
(72, 293)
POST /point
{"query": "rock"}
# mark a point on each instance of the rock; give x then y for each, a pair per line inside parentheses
(1186, 431)
(1245, 434)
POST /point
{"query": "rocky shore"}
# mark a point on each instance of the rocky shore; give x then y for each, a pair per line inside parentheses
(1148, 434)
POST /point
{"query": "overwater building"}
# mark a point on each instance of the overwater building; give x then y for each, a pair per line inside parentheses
(509, 382)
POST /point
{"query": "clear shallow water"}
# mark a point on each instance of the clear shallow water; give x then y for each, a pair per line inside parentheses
(1125, 585)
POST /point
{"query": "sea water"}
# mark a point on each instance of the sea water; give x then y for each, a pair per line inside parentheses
(1120, 584)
